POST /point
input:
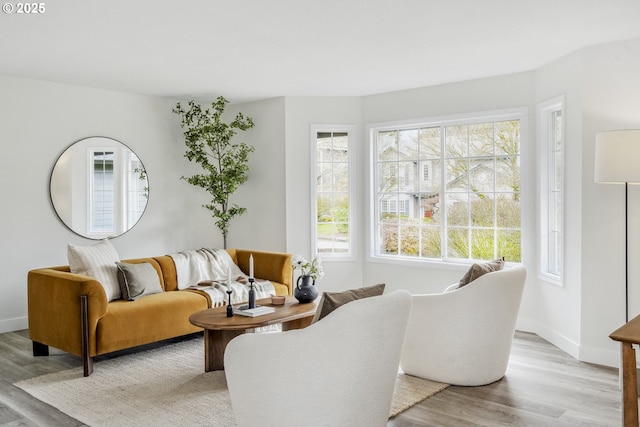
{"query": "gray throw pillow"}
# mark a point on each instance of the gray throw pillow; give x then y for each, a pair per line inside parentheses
(137, 280)
(332, 300)
(478, 270)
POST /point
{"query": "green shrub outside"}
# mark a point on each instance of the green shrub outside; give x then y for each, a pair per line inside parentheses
(482, 245)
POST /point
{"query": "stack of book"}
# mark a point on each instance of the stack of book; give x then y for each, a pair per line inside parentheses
(259, 310)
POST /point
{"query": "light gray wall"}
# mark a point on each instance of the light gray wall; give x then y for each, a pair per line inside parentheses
(38, 121)
(611, 100)
(558, 308)
(263, 225)
(601, 90)
(477, 96)
(301, 113)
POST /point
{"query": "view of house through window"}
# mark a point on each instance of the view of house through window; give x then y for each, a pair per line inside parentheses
(332, 188)
(448, 190)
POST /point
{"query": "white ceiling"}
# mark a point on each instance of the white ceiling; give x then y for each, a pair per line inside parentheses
(253, 49)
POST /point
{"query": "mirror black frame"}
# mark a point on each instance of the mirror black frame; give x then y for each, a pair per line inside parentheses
(64, 185)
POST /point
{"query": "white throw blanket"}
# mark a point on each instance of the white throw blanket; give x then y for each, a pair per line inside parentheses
(215, 265)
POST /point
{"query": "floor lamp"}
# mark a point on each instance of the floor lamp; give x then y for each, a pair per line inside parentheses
(617, 161)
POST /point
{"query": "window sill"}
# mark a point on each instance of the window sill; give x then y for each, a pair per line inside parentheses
(414, 262)
(552, 280)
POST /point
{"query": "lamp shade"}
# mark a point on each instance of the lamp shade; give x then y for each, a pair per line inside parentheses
(617, 159)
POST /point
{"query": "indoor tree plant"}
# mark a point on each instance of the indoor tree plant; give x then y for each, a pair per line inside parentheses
(224, 164)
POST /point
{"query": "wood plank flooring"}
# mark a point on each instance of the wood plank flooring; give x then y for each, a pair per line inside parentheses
(543, 387)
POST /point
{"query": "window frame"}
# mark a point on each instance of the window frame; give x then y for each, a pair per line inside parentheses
(350, 130)
(546, 161)
(508, 114)
(132, 191)
(92, 230)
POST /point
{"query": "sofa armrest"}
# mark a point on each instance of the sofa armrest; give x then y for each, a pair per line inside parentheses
(54, 308)
(273, 266)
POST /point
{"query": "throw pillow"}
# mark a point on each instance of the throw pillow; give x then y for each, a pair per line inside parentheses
(332, 300)
(137, 280)
(478, 270)
(97, 261)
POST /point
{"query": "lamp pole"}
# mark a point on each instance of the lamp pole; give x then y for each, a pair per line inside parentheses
(626, 251)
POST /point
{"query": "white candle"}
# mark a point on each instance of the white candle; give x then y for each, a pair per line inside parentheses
(251, 266)
(228, 276)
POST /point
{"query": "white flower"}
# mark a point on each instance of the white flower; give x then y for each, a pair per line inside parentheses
(313, 268)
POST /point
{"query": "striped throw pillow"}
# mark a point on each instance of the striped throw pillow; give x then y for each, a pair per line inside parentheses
(97, 261)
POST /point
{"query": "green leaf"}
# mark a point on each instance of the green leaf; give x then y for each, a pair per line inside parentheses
(225, 165)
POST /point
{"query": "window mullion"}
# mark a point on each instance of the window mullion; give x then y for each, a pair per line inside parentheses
(444, 241)
(468, 205)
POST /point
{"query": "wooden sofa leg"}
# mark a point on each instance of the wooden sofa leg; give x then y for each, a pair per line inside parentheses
(40, 349)
(84, 320)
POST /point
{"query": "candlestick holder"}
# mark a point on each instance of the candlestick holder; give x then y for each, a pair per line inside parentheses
(252, 293)
(229, 306)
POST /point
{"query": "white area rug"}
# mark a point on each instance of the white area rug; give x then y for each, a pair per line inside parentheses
(166, 386)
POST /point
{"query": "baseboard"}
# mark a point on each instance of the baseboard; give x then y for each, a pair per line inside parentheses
(526, 325)
(585, 354)
(600, 356)
(17, 324)
(562, 342)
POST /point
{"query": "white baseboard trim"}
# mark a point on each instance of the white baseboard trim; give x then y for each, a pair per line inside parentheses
(599, 356)
(585, 354)
(562, 342)
(17, 324)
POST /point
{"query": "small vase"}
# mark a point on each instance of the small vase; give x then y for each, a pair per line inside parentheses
(305, 290)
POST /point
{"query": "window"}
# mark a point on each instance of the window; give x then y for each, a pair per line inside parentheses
(331, 191)
(456, 184)
(425, 172)
(102, 193)
(551, 140)
(118, 190)
(137, 190)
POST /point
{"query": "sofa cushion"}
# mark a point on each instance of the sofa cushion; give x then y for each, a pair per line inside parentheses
(97, 261)
(479, 269)
(332, 300)
(152, 318)
(137, 280)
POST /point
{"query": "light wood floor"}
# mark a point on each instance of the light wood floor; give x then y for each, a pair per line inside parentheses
(543, 387)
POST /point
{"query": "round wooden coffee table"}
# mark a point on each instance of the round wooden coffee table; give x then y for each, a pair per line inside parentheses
(220, 329)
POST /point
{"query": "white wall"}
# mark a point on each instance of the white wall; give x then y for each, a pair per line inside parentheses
(602, 92)
(38, 121)
(505, 92)
(263, 225)
(301, 113)
(558, 309)
(611, 100)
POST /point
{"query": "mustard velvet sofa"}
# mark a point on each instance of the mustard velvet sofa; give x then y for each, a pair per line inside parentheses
(70, 311)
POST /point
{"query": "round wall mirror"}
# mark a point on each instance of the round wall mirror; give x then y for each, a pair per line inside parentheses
(99, 188)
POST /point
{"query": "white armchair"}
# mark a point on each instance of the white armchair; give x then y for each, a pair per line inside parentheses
(339, 371)
(463, 336)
